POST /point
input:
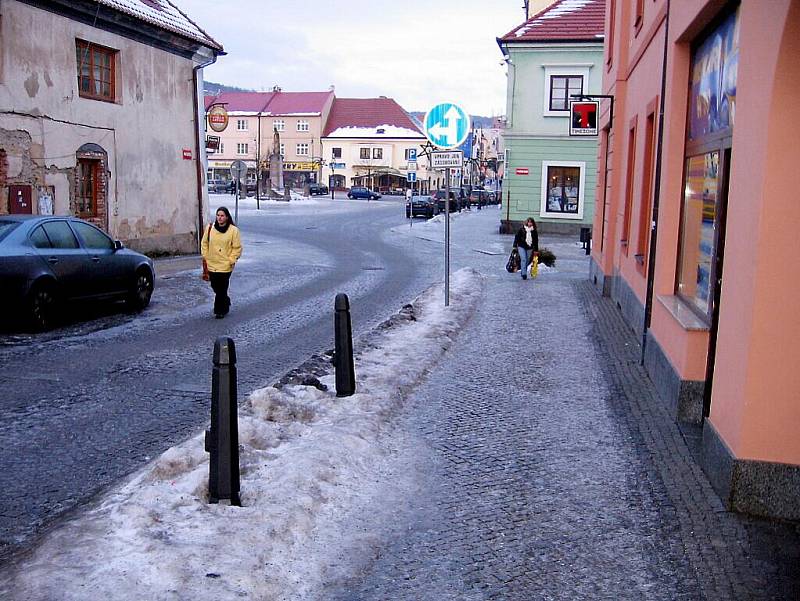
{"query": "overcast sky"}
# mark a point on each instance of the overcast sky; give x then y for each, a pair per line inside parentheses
(418, 52)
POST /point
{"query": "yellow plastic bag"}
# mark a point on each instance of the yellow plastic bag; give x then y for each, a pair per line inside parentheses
(535, 266)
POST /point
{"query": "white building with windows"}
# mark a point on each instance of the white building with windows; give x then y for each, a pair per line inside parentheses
(253, 119)
(550, 176)
(368, 142)
(99, 117)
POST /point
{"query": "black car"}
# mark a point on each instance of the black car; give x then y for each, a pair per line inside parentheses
(318, 189)
(47, 261)
(455, 201)
(362, 192)
(421, 205)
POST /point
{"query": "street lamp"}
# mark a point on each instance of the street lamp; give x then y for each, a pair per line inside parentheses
(333, 172)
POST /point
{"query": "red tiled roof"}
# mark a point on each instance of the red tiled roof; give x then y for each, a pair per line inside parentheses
(272, 103)
(563, 21)
(241, 101)
(368, 112)
(288, 103)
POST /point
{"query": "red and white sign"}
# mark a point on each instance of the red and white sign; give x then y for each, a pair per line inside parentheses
(187, 154)
(521, 171)
(583, 117)
(217, 118)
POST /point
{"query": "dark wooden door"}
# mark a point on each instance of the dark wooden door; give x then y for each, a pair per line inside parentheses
(19, 200)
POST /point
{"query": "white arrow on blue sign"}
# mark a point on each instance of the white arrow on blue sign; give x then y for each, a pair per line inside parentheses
(447, 125)
(411, 176)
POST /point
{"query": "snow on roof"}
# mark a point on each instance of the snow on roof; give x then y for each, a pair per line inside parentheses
(363, 117)
(565, 20)
(166, 15)
(380, 131)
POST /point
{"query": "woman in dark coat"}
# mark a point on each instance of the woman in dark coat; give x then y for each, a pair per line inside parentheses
(526, 241)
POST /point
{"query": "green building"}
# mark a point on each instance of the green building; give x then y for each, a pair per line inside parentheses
(549, 174)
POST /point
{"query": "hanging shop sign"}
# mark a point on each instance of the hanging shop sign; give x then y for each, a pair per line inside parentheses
(583, 117)
(212, 144)
(217, 118)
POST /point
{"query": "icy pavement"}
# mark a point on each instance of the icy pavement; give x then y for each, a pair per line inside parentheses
(303, 454)
(508, 447)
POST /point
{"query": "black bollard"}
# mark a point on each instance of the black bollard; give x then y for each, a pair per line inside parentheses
(343, 347)
(222, 441)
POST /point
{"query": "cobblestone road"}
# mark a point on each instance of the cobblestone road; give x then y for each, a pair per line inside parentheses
(547, 468)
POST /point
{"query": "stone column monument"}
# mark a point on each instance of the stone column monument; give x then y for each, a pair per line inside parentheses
(276, 163)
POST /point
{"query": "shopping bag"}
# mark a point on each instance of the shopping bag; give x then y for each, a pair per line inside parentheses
(535, 266)
(513, 261)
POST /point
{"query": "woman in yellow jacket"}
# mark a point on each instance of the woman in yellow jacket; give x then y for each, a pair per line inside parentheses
(221, 247)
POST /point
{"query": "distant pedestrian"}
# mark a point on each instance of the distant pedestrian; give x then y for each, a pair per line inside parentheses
(527, 244)
(221, 247)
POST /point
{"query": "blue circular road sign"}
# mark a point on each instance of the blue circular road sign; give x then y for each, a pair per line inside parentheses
(447, 125)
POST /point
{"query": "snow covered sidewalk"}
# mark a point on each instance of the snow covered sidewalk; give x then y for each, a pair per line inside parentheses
(303, 454)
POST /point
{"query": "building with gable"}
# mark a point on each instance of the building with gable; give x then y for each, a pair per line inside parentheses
(108, 127)
(550, 175)
(368, 142)
(253, 119)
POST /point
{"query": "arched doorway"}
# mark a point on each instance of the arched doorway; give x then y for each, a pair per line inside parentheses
(90, 198)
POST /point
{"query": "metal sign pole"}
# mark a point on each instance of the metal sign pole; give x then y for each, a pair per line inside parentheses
(236, 207)
(447, 237)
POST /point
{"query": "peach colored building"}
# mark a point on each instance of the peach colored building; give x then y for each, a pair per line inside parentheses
(697, 221)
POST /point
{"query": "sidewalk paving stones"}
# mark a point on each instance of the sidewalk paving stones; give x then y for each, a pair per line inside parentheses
(550, 469)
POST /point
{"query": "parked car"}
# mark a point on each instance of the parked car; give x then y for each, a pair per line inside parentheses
(217, 186)
(455, 203)
(318, 189)
(481, 197)
(47, 261)
(362, 192)
(421, 205)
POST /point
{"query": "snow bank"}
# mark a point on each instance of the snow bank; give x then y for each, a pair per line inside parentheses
(304, 454)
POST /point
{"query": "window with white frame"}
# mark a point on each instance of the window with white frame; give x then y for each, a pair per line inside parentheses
(241, 124)
(562, 88)
(221, 148)
(336, 153)
(563, 184)
(278, 125)
(302, 149)
(364, 153)
(377, 153)
(302, 125)
(283, 149)
(241, 148)
(560, 83)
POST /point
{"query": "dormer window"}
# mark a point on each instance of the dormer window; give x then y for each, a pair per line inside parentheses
(380, 130)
